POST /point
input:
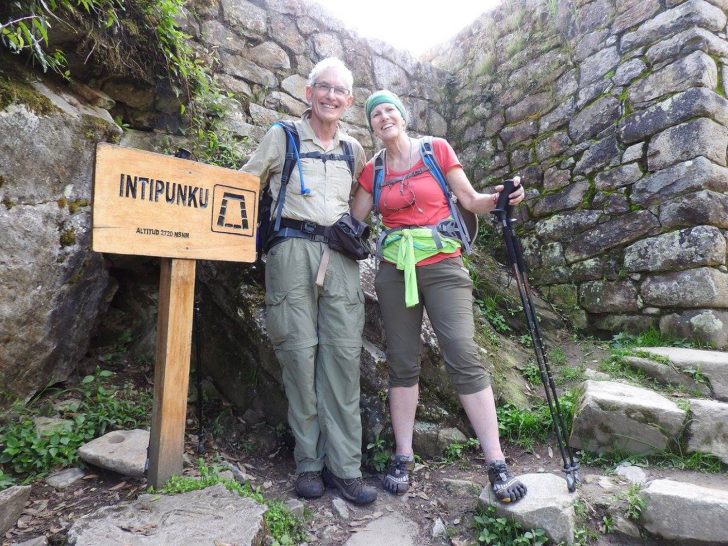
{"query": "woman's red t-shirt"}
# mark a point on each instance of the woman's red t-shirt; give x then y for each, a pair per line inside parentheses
(415, 201)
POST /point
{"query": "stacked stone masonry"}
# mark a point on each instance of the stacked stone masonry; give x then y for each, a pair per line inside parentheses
(614, 111)
(615, 114)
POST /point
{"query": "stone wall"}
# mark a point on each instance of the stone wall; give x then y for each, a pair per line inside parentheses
(261, 52)
(615, 113)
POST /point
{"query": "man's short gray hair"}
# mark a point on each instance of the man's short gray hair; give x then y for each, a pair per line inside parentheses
(331, 62)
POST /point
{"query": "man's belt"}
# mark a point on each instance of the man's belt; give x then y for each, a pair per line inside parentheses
(300, 229)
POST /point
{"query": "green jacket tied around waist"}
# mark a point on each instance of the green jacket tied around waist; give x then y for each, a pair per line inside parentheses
(407, 247)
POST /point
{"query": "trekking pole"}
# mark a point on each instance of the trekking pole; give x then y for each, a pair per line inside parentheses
(515, 256)
(186, 154)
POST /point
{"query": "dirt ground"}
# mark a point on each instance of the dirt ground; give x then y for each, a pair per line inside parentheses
(265, 455)
(51, 512)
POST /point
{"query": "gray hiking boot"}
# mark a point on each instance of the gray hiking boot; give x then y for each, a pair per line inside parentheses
(396, 481)
(352, 489)
(309, 485)
(506, 487)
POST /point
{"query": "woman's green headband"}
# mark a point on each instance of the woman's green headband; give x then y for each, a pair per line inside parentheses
(381, 97)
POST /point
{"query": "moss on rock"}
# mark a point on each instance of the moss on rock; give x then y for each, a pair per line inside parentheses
(68, 237)
(16, 91)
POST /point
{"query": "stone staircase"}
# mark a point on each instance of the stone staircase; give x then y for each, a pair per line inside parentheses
(689, 416)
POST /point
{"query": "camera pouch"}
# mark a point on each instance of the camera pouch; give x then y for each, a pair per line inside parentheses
(349, 236)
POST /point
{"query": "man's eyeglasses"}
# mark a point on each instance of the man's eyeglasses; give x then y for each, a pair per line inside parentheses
(338, 91)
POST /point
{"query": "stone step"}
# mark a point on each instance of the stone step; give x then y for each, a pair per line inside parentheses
(712, 365)
(208, 516)
(708, 428)
(685, 513)
(548, 505)
(613, 416)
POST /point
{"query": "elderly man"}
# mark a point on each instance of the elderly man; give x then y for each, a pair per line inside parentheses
(314, 301)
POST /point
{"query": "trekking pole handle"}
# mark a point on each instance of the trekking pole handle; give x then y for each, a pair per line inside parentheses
(502, 205)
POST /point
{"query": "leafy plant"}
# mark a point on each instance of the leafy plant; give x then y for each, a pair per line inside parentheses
(498, 531)
(635, 502)
(525, 427)
(532, 373)
(525, 340)
(284, 527)
(378, 454)
(489, 307)
(102, 408)
(457, 450)
(607, 525)
(6, 481)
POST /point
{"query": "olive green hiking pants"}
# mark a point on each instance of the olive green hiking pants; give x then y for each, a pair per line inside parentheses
(316, 333)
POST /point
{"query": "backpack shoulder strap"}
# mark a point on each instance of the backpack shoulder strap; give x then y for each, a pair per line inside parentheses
(348, 155)
(378, 179)
(293, 144)
(430, 161)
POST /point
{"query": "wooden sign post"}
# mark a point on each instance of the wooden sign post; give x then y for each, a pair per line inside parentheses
(149, 204)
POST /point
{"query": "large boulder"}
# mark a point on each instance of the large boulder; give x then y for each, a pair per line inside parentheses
(53, 285)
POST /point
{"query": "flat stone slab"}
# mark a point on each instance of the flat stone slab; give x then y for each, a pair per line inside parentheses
(616, 416)
(65, 478)
(209, 516)
(684, 512)
(388, 530)
(713, 365)
(547, 505)
(709, 429)
(668, 374)
(12, 502)
(123, 451)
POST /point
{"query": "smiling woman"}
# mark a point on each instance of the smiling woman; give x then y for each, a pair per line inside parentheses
(415, 25)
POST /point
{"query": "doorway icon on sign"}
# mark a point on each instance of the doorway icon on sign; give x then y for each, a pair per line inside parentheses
(233, 210)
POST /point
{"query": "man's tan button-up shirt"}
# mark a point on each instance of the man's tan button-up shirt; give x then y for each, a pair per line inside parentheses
(330, 183)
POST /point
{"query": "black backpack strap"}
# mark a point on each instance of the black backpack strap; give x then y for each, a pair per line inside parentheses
(348, 155)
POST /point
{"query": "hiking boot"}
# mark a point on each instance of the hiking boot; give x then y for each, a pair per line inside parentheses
(396, 481)
(309, 485)
(506, 487)
(352, 489)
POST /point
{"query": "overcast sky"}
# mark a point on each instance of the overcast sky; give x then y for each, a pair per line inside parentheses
(416, 25)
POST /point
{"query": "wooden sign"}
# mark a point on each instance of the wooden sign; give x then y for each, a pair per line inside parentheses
(156, 205)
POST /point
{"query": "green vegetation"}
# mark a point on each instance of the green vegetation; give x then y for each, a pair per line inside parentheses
(118, 36)
(140, 39)
(6, 481)
(515, 46)
(635, 502)
(532, 373)
(525, 427)
(68, 237)
(283, 526)
(698, 462)
(27, 455)
(378, 454)
(623, 344)
(489, 307)
(498, 531)
(456, 450)
(14, 91)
